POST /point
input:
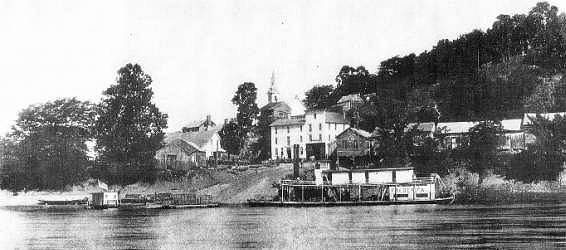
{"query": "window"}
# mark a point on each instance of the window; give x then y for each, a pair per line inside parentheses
(310, 127)
(288, 140)
(301, 150)
(275, 140)
(301, 128)
(320, 137)
(320, 126)
(314, 115)
(287, 129)
(170, 162)
(335, 125)
(310, 137)
(301, 138)
(356, 144)
(275, 130)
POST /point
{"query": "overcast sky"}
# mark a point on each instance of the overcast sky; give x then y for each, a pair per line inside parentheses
(197, 52)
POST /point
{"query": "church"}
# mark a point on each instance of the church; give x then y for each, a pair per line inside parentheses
(312, 134)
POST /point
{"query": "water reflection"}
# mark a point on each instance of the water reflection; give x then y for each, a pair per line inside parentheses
(416, 227)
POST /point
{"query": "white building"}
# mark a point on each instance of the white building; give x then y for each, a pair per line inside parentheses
(313, 133)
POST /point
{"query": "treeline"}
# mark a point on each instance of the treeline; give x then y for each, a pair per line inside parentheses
(513, 67)
(47, 147)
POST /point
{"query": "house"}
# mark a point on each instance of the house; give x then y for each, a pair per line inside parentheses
(514, 138)
(421, 131)
(201, 125)
(179, 154)
(185, 150)
(354, 147)
(349, 102)
(311, 135)
(513, 135)
(455, 133)
(424, 128)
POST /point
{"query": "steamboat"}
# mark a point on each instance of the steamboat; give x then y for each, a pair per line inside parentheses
(360, 187)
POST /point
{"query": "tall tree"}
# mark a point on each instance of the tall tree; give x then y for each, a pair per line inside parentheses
(245, 101)
(318, 97)
(263, 145)
(48, 144)
(130, 126)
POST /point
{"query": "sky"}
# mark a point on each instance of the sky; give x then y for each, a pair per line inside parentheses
(198, 52)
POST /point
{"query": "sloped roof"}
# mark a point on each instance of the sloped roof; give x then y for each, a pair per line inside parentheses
(457, 127)
(351, 97)
(360, 132)
(279, 106)
(197, 139)
(187, 147)
(511, 124)
(195, 124)
(423, 126)
(549, 116)
(287, 122)
(334, 117)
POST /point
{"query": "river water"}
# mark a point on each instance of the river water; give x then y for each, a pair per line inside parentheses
(531, 226)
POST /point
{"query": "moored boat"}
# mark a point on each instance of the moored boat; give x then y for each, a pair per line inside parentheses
(272, 203)
(360, 187)
(76, 202)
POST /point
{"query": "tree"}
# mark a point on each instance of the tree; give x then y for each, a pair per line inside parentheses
(427, 153)
(245, 100)
(352, 81)
(48, 144)
(388, 118)
(481, 150)
(544, 159)
(263, 145)
(230, 137)
(130, 127)
(318, 97)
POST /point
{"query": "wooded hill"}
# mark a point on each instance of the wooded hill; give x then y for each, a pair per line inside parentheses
(515, 66)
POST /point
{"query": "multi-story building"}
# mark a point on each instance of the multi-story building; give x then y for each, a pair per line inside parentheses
(313, 134)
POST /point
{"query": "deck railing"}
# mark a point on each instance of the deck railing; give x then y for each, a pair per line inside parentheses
(417, 180)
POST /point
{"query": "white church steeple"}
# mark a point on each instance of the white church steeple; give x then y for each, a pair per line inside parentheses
(272, 93)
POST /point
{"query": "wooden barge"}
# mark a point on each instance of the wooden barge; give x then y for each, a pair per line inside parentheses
(359, 187)
(105, 200)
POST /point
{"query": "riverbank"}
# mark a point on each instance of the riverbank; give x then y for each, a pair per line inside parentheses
(236, 186)
(226, 186)
(494, 189)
